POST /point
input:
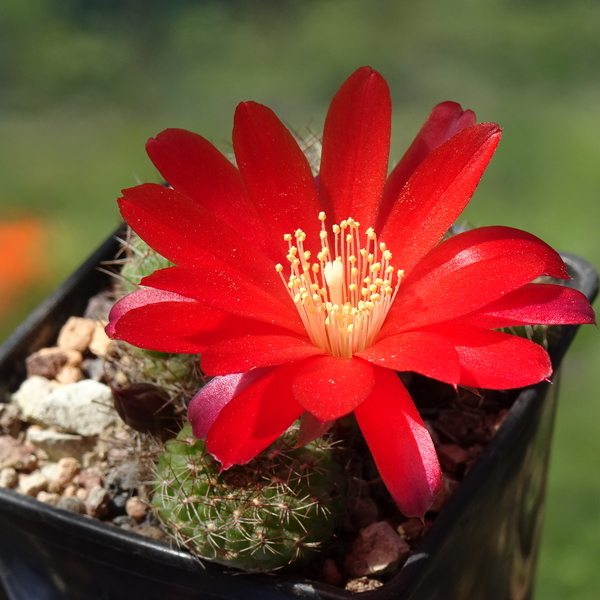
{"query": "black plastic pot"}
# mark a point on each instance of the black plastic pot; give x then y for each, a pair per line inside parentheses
(483, 545)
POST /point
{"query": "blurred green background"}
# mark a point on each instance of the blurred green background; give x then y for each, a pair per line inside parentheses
(84, 83)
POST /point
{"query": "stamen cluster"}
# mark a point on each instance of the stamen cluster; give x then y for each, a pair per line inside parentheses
(344, 296)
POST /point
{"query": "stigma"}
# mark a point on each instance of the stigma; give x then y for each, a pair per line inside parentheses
(344, 295)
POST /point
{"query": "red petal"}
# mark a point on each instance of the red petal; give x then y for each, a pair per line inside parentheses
(166, 322)
(193, 166)
(495, 360)
(242, 354)
(207, 404)
(228, 293)
(331, 387)
(356, 145)
(170, 316)
(437, 193)
(400, 444)
(311, 428)
(534, 303)
(469, 271)
(255, 418)
(417, 351)
(276, 173)
(445, 120)
(187, 234)
(140, 297)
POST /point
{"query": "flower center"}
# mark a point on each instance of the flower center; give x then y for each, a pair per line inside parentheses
(344, 296)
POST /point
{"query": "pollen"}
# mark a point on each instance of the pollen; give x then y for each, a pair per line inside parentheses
(352, 286)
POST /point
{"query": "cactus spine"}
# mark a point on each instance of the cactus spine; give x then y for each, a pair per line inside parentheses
(276, 510)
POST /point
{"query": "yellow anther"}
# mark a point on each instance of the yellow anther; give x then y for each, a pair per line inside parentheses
(322, 216)
(382, 246)
(287, 237)
(352, 287)
(336, 229)
(349, 238)
(307, 255)
(278, 268)
(371, 234)
(375, 267)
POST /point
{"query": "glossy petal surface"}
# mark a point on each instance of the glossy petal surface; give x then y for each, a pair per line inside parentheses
(469, 271)
(446, 119)
(543, 304)
(418, 351)
(163, 321)
(206, 405)
(488, 358)
(227, 292)
(356, 142)
(187, 234)
(242, 354)
(437, 192)
(194, 167)
(400, 443)
(254, 418)
(331, 387)
(275, 172)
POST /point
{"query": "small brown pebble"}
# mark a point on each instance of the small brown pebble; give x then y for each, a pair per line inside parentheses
(9, 478)
(362, 584)
(46, 362)
(72, 504)
(10, 423)
(452, 457)
(70, 491)
(66, 470)
(89, 478)
(152, 532)
(54, 487)
(69, 375)
(136, 508)
(76, 334)
(48, 498)
(82, 494)
(100, 342)
(96, 504)
(18, 455)
(377, 549)
(330, 574)
(411, 529)
(33, 484)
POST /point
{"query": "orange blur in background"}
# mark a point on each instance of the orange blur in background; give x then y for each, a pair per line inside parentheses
(22, 259)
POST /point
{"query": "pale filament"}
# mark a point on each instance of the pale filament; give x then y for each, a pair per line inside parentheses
(344, 296)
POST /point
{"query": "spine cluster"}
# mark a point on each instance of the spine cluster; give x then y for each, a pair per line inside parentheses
(274, 511)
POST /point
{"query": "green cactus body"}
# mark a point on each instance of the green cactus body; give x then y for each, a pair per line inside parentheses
(274, 511)
(141, 261)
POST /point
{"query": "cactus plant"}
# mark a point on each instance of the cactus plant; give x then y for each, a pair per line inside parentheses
(276, 510)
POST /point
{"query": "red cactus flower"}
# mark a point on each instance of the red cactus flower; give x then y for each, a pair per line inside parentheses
(299, 318)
